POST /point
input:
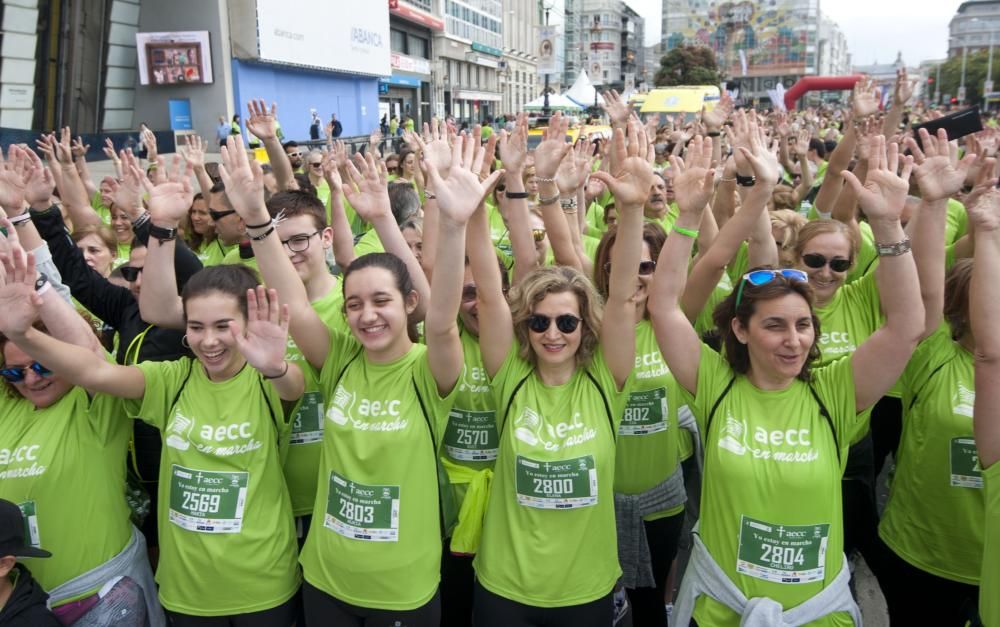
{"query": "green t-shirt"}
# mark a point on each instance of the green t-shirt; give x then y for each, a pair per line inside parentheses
(668, 219)
(549, 537)
(934, 517)
(375, 539)
(470, 438)
(97, 203)
(648, 451)
(227, 536)
(865, 260)
(233, 257)
(771, 514)
(122, 252)
(989, 604)
(704, 322)
(739, 265)
(64, 466)
(369, 243)
(305, 443)
(215, 252)
(848, 319)
(956, 221)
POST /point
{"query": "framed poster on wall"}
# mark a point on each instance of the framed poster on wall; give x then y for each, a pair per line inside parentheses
(179, 58)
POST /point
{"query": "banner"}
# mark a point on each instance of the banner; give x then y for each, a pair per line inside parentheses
(550, 50)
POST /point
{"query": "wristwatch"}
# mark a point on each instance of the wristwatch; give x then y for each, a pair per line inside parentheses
(893, 250)
(42, 284)
(162, 233)
(746, 181)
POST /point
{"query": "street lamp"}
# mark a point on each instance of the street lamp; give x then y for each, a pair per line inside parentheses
(545, 93)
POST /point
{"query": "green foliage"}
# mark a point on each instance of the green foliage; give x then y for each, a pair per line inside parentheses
(975, 75)
(688, 65)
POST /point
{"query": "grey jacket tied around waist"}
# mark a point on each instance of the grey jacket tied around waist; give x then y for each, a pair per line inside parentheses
(633, 550)
(704, 577)
(131, 562)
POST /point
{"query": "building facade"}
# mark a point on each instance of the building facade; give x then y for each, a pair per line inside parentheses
(518, 78)
(832, 58)
(609, 47)
(469, 54)
(974, 27)
(409, 91)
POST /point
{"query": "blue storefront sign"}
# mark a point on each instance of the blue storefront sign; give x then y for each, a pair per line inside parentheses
(400, 81)
(180, 114)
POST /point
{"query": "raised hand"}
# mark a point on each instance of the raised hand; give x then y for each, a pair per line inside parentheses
(38, 186)
(802, 143)
(262, 123)
(79, 148)
(243, 179)
(149, 141)
(109, 149)
(12, 174)
(18, 299)
(170, 199)
(762, 160)
(903, 89)
(194, 151)
(573, 171)
(986, 180)
(631, 175)
(127, 194)
(693, 178)
(513, 148)
(884, 192)
(865, 99)
(369, 194)
(264, 341)
(553, 148)
(714, 119)
(939, 172)
(437, 149)
(617, 108)
(985, 212)
(331, 168)
(462, 193)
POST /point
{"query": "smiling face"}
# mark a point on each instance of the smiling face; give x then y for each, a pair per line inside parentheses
(201, 222)
(656, 204)
(377, 312)
(778, 337)
(209, 318)
(824, 281)
(553, 348)
(40, 391)
(301, 230)
(96, 253)
(409, 165)
(121, 225)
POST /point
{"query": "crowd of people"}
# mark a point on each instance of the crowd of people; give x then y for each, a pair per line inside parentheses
(473, 383)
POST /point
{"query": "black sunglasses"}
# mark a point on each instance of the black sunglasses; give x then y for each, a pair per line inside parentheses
(815, 260)
(645, 267)
(218, 215)
(131, 273)
(566, 323)
(17, 373)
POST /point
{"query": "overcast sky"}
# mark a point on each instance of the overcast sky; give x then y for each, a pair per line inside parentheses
(875, 29)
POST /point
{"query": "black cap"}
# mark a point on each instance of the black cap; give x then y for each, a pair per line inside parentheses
(12, 533)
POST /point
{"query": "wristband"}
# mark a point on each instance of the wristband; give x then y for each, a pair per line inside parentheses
(42, 284)
(143, 219)
(543, 179)
(548, 201)
(567, 203)
(746, 181)
(725, 180)
(692, 233)
(516, 195)
(262, 236)
(714, 134)
(261, 226)
(162, 233)
(893, 250)
(21, 219)
(283, 373)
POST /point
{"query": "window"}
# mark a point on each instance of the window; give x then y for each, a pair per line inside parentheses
(397, 41)
(417, 46)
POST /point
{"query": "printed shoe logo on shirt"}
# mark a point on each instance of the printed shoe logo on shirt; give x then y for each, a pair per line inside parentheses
(473, 380)
(532, 429)
(764, 444)
(222, 440)
(963, 401)
(375, 414)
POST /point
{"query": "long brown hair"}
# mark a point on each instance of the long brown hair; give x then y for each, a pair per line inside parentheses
(956, 297)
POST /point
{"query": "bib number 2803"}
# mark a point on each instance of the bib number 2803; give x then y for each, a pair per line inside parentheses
(362, 512)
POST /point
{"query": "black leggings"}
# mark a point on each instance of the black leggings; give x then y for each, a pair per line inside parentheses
(860, 507)
(457, 585)
(322, 609)
(662, 536)
(281, 616)
(493, 610)
(917, 597)
(887, 428)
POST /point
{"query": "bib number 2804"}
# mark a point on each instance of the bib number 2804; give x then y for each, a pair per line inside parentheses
(782, 553)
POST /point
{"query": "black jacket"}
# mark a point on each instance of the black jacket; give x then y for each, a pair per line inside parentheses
(26, 605)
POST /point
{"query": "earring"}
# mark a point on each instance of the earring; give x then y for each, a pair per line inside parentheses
(184, 342)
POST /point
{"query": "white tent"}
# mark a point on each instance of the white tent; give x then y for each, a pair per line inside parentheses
(556, 103)
(582, 92)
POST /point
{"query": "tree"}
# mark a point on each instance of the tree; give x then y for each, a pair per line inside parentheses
(688, 65)
(975, 75)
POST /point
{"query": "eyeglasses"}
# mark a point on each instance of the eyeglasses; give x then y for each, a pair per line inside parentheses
(763, 277)
(645, 267)
(131, 273)
(815, 260)
(218, 215)
(16, 374)
(299, 243)
(566, 323)
(469, 293)
(538, 234)
(318, 164)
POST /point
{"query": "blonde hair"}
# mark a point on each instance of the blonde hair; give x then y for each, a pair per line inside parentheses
(823, 226)
(789, 223)
(556, 280)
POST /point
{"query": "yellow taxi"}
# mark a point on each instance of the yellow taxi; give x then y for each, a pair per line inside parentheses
(587, 131)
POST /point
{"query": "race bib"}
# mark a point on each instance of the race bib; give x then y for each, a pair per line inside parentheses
(471, 435)
(307, 427)
(30, 515)
(207, 502)
(965, 469)
(565, 484)
(646, 413)
(362, 512)
(782, 553)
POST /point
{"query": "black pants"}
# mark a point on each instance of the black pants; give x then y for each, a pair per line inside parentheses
(662, 537)
(887, 428)
(493, 610)
(457, 585)
(323, 609)
(860, 508)
(281, 616)
(916, 597)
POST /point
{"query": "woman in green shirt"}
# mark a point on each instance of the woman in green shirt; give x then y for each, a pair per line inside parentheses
(560, 373)
(774, 432)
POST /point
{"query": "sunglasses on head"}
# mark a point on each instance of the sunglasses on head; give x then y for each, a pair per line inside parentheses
(566, 323)
(538, 234)
(815, 260)
(218, 215)
(16, 374)
(131, 273)
(763, 277)
(645, 267)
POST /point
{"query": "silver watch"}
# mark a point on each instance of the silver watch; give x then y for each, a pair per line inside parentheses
(893, 250)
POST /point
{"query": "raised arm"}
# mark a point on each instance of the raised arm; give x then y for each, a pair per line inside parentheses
(984, 310)
(630, 180)
(548, 157)
(879, 361)
(264, 343)
(901, 93)
(939, 174)
(263, 123)
(244, 183)
(459, 196)
(80, 161)
(71, 189)
(194, 155)
(570, 179)
(513, 150)
(435, 147)
(343, 238)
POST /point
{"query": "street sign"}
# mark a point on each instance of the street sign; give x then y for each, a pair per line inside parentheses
(961, 93)
(988, 86)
